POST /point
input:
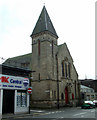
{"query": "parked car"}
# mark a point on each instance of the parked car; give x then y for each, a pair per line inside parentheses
(85, 106)
(95, 102)
(88, 105)
(91, 103)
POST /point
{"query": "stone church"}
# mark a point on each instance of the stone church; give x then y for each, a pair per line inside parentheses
(55, 80)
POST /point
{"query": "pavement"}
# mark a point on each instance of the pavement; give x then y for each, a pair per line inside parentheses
(10, 116)
(32, 113)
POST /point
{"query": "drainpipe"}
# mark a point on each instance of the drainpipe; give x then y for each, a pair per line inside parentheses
(57, 81)
(30, 86)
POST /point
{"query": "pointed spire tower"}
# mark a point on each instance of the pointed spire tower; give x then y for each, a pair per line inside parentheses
(44, 47)
(44, 24)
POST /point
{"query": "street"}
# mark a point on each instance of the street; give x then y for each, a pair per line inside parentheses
(55, 114)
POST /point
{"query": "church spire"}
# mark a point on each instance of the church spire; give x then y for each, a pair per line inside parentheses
(44, 24)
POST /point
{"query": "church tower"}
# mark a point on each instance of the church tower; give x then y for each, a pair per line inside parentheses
(44, 46)
(44, 49)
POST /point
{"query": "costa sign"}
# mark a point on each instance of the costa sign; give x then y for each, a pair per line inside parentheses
(7, 81)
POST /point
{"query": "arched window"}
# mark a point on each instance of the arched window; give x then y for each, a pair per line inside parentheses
(66, 68)
(62, 68)
(66, 73)
(69, 70)
(62, 96)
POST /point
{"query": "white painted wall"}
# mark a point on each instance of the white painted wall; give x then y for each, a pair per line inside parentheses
(1, 102)
(15, 102)
(19, 110)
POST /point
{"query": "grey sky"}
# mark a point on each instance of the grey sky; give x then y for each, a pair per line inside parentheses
(74, 21)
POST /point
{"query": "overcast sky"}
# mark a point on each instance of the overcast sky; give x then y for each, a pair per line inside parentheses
(74, 21)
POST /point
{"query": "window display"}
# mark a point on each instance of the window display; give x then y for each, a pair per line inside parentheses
(21, 99)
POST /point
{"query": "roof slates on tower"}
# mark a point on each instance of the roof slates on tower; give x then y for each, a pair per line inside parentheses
(44, 24)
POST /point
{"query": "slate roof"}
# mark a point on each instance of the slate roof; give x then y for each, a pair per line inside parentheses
(18, 61)
(83, 86)
(89, 83)
(43, 24)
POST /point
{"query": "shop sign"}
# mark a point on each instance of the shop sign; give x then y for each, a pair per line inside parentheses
(7, 81)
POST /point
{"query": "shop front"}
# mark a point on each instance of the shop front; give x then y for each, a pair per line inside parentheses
(13, 94)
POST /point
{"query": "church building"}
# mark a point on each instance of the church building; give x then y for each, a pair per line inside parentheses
(55, 80)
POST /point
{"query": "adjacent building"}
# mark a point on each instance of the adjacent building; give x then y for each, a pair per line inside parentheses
(92, 83)
(88, 93)
(55, 82)
(88, 89)
(13, 90)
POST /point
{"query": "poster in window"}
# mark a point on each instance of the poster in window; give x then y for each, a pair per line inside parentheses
(19, 99)
(24, 99)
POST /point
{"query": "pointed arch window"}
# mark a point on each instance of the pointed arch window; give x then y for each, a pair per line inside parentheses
(62, 96)
(66, 69)
(63, 69)
(69, 70)
(66, 73)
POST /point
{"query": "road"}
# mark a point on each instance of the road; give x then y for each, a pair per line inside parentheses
(63, 113)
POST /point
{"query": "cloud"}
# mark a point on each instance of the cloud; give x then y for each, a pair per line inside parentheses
(72, 19)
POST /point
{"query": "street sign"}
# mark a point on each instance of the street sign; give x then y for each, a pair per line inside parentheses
(29, 90)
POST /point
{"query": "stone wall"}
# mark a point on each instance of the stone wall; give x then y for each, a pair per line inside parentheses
(45, 81)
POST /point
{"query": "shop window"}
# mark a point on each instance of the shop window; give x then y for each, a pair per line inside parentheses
(21, 99)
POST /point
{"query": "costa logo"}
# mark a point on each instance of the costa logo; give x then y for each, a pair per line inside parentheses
(4, 79)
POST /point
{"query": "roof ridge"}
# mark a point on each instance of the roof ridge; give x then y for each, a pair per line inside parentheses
(20, 56)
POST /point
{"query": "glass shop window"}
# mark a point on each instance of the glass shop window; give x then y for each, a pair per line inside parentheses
(21, 99)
